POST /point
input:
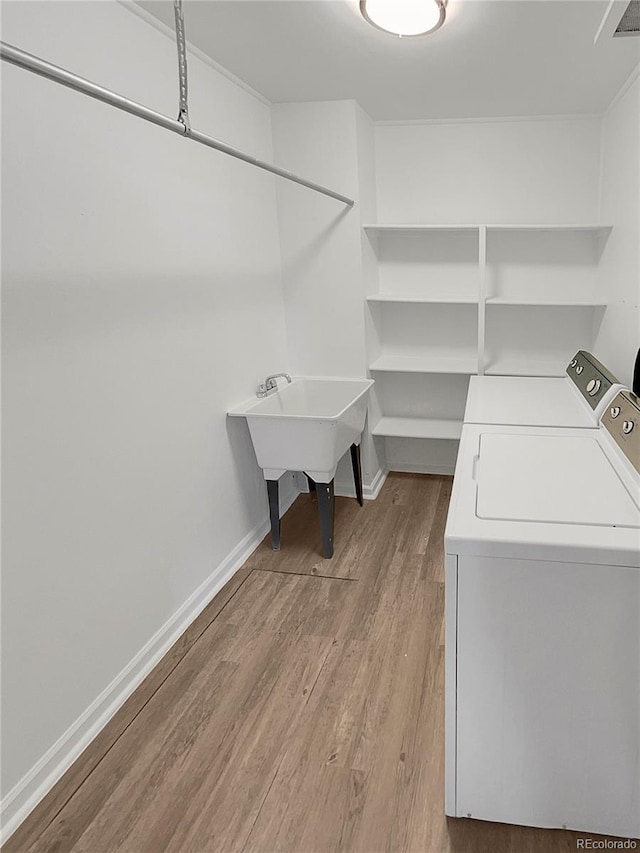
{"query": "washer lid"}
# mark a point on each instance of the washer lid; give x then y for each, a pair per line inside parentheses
(553, 479)
(526, 401)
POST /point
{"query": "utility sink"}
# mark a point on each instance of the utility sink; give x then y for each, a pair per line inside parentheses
(307, 425)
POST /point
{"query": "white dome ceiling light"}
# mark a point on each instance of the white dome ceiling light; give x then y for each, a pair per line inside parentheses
(405, 17)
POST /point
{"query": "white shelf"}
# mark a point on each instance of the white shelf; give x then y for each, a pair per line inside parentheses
(425, 364)
(584, 227)
(548, 302)
(418, 428)
(531, 227)
(423, 300)
(509, 366)
(418, 227)
(542, 302)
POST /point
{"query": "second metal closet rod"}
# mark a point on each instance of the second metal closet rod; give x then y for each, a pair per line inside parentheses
(25, 60)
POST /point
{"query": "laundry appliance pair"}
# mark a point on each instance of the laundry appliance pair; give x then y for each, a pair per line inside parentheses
(543, 604)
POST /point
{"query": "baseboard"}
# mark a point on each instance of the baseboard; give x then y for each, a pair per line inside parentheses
(37, 782)
(406, 468)
(369, 492)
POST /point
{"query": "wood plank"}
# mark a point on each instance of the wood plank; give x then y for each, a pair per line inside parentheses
(434, 552)
(422, 495)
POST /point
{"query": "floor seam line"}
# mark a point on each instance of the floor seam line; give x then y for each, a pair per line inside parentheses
(286, 751)
(304, 575)
(264, 799)
(313, 686)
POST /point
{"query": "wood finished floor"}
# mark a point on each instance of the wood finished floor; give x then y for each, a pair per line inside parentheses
(302, 711)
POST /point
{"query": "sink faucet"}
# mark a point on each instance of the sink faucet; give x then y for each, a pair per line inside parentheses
(270, 383)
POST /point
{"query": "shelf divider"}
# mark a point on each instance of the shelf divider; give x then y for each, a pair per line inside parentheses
(482, 297)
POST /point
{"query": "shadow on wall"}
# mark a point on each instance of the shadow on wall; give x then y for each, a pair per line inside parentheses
(248, 476)
(297, 267)
(86, 306)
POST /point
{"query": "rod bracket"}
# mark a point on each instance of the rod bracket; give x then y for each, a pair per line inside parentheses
(183, 118)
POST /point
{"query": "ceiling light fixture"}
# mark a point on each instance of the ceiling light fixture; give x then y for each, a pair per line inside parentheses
(405, 17)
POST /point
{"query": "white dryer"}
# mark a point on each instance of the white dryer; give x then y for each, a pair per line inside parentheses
(543, 625)
(575, 400)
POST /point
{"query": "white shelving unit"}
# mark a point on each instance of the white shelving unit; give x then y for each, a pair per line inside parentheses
(455, 300)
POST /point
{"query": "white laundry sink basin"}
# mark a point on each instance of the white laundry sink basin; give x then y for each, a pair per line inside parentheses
(307, 425)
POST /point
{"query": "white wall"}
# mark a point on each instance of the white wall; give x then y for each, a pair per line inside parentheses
(493, 171)
(619, 336)
(322, 252)
(373, 460)
(142, 298)
(320, 238)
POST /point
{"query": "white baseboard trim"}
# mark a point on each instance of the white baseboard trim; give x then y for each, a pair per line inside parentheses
(406, 468)
(369, 492)
(38, 781)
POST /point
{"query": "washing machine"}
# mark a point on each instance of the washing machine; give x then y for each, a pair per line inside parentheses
(543, 625)
(574, 400)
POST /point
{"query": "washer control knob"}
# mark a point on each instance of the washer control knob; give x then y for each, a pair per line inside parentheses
(614, 411)
(627, 427)
(593, 387)
(573, 362)
(579, 369)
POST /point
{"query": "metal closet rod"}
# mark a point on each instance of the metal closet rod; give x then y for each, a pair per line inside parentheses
(25, 60)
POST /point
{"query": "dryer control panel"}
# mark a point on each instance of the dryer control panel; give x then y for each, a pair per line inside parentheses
(591, 378)
(621, 419)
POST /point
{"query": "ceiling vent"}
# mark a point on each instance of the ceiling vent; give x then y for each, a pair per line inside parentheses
(630, 22)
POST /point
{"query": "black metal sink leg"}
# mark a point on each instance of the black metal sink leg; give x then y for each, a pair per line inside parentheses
(326, 510)
(356, 464)
(274, 513)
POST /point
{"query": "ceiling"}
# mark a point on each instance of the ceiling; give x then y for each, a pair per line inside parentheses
(491, 58)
